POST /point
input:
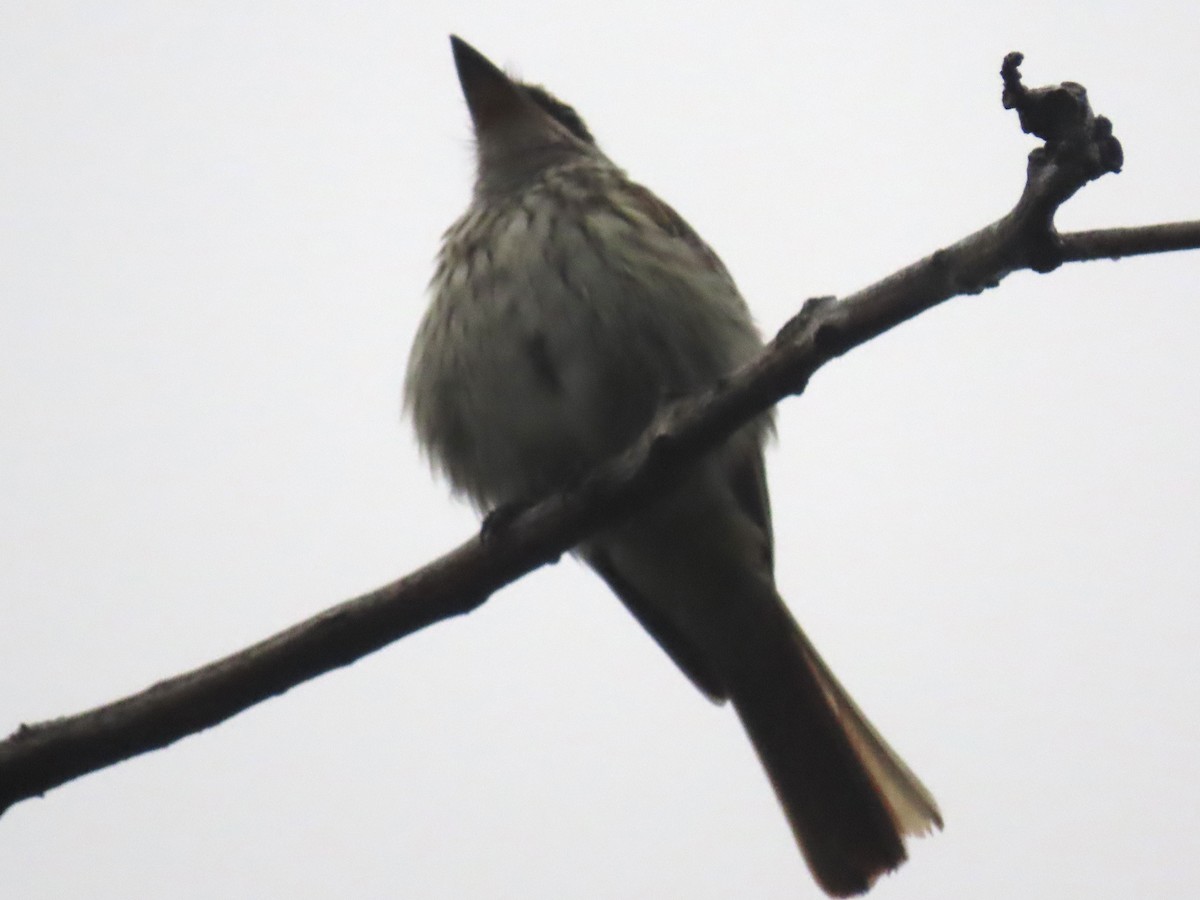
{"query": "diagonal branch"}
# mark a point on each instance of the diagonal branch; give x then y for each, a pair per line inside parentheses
(1078, 148)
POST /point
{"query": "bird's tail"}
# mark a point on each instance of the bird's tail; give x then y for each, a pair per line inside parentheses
(849, 798)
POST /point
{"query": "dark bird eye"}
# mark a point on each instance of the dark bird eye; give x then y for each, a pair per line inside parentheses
(562, 113)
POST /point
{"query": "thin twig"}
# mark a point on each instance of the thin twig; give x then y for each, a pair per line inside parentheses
(1117, 243)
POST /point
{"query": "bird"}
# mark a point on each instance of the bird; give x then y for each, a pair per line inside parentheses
(568, 305)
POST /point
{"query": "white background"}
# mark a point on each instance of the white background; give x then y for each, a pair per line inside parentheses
(216, 225)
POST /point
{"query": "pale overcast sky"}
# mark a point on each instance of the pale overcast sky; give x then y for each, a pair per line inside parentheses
(217, 222)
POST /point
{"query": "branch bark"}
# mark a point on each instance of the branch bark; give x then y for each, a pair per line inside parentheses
(1118, 243)
(1078, 147)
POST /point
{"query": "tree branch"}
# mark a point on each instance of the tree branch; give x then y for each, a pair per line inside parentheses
(1116, 243)
(1078, 147)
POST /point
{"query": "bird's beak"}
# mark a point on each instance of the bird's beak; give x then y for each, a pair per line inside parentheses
(491, 95)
